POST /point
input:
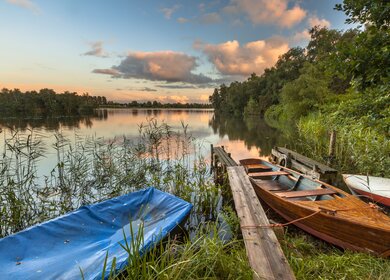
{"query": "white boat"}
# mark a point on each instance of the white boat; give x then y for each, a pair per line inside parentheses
(374, 188)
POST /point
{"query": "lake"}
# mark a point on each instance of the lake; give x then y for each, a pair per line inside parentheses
(50, 166)
(243, 138)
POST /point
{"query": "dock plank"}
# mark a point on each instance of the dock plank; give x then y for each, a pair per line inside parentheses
(263, 249)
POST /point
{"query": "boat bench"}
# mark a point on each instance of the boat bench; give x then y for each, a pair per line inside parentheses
(295, 194)
(258, 175)
(270, 185)
(251, 168)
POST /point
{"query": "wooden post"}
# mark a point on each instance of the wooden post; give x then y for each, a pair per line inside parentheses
(332, 147)
(212, 159)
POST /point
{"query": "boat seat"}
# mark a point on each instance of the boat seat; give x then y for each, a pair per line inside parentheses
(258, 175)
(251, 168)
(270, 185)
(296, 194)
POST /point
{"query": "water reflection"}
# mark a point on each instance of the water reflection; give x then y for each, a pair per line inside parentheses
(53, 123)
(252, 131)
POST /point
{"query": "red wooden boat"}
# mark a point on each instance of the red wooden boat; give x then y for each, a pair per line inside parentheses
(321, 209)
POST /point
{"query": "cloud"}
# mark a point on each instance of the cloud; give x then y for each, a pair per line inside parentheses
(315, 21)
(97, 50)
(210, 18)
(304, 36)
(176, 86)
(166, 66)
(148, 89)
(230, 58)
(169, 11)
(182, 20)
(27, 4)
(114, 73)
(265, 11)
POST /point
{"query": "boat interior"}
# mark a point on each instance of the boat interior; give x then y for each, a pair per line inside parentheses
(286, 183)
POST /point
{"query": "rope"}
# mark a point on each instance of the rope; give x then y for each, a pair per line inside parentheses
(281, 225)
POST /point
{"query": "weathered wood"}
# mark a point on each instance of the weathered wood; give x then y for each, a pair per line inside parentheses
(305, 160)
(267, 174)
(332, 147)
(264, 252)
(305, 165)
(295, 194)
(223, 157)
(257, 168)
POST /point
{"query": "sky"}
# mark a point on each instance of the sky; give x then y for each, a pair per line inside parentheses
(169, 51)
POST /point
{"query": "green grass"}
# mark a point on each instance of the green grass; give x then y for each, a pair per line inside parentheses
(311, 258)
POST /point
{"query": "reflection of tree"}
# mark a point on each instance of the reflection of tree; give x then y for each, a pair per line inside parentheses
(53, 123)
(253, 130)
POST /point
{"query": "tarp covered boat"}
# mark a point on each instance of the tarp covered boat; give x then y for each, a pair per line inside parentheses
(374, 188)
(321, 209)
(80, 241)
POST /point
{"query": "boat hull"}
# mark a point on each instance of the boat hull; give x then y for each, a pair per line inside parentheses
(336, 230)
(76, 245)
(378, 189)
(339, 218)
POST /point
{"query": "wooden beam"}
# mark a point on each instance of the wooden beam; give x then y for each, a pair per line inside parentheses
(268, 173)
(263, 249)
(295, 194)
(322, 168)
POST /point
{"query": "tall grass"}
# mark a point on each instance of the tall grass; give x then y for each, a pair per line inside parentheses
(92, 169)
(359, 148)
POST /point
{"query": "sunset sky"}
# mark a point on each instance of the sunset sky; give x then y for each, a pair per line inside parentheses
(170, 51)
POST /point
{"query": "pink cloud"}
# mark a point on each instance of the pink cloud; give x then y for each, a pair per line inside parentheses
(27, 4)
(232, 59)
(315, 21)
(97, 50)
(265, 11)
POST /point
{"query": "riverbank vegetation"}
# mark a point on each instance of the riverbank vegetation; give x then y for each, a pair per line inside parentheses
(47, 102)
(339, 82)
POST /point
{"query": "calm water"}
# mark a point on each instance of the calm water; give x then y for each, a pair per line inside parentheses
(242, 138)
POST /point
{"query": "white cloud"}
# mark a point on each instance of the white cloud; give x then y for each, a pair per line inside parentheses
(265, 11)
(230, 58)
(315, 21)
(168, 12)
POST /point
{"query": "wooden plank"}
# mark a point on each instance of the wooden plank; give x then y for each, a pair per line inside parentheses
(267, 174)
(224, 157)
(256, 168)
(269, 185)
(307, 161)
(295, 194)
(263, 249)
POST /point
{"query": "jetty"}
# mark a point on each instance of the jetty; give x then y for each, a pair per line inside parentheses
(263, 249)
(293, 160)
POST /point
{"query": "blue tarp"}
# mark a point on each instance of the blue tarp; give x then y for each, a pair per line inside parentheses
(80, 240)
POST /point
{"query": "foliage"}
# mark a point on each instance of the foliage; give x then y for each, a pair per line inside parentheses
(375, 12)
(341, 82)
(46, 102)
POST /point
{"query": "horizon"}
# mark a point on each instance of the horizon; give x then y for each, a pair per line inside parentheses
(150, 51)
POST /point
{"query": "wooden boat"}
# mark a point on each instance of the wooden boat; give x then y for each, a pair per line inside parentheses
(321, 209)
(374, 188)
(76, 245)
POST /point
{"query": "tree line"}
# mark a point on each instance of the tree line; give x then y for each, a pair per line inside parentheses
(339, 81)
(157, 104)
(47, 102)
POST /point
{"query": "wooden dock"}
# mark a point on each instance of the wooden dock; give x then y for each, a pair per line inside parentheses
(305, 165)
(263, 249)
